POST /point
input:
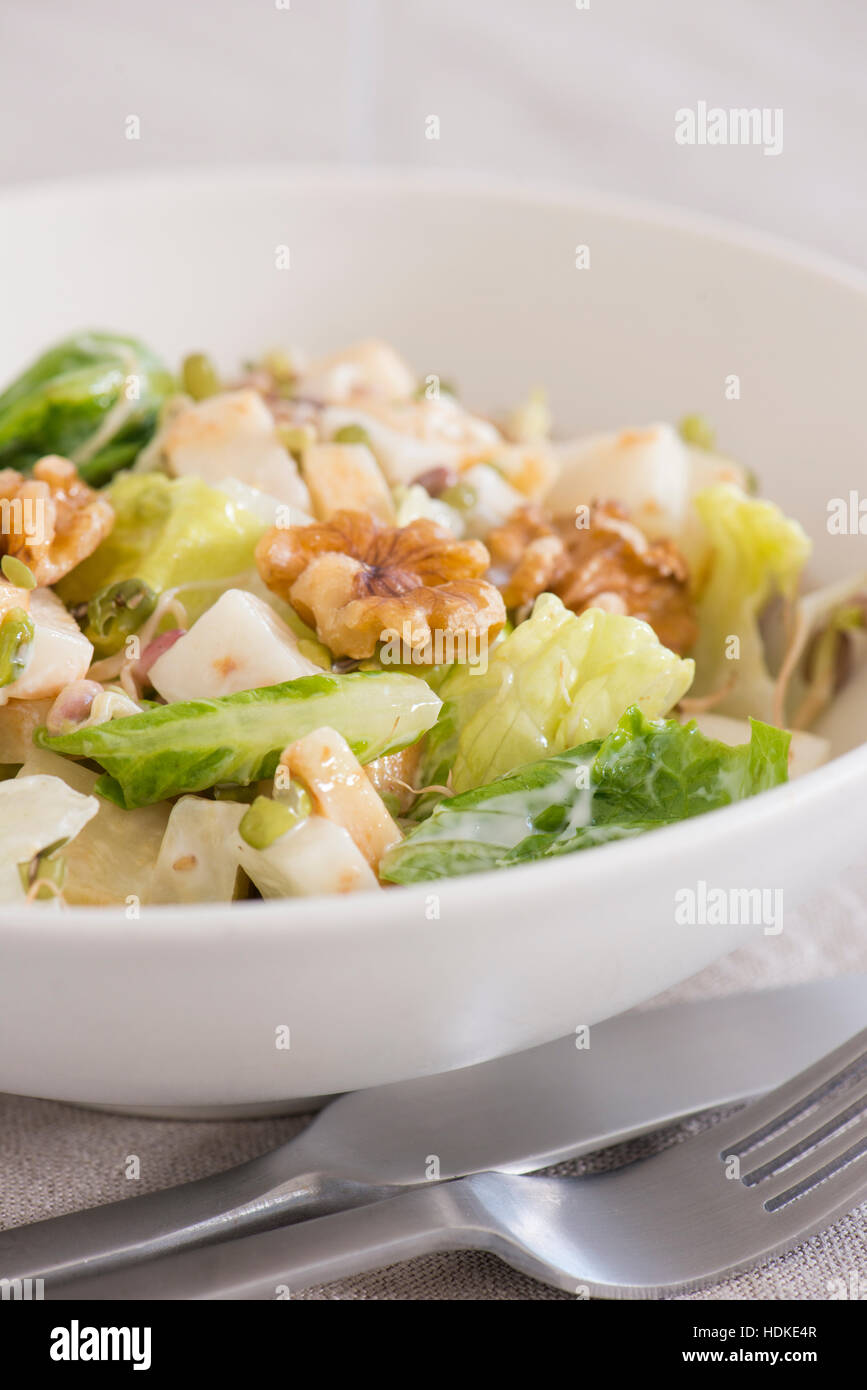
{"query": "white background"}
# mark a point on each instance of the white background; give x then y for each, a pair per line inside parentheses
(536, 89)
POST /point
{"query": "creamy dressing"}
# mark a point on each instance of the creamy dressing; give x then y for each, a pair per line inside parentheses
(516, 811)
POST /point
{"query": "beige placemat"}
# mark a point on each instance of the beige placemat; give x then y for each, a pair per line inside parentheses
(57, 1158)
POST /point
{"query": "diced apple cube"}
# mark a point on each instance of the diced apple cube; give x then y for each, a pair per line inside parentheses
(198, 860)
(237, 644)
(346, 477)
(648, 470)
(411, 437)
(494, 499)
(317, 856)
(60, 653)
(370, 365)
(113, 856)
(19, 720)
(341, 790)
(35, 813)
(233, 435)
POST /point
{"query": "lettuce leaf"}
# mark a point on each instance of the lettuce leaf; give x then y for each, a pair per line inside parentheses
(166, 532)
(195, 744)
(558, 680)
(644, 775)
(75, 400)
(755, 552)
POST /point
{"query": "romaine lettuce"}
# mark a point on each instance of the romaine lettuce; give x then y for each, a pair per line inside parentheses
(196, 744)
(166, 532)
(754, 552)
(556, 681)
(93, 398)
(643, 775)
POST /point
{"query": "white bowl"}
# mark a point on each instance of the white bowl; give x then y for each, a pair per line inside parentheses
(477, 281)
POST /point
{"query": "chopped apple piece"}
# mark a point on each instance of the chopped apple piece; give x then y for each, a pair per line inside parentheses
(35, 813)
(233, 435)
(647, 470)
(316, 856)
(532, 469)
(60, 653)
(199, 857)
(368, 366)
(341, 791)
(411, 437)
(18, 722)
(491, 499)
(237, 644)
(346, 477)
(113, 856)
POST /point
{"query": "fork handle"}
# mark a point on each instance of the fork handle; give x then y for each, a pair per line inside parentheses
(276, 1264)
(278, 1188)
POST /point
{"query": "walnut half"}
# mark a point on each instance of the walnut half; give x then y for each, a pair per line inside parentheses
(52, 520)
(607, 563)
(359, 582)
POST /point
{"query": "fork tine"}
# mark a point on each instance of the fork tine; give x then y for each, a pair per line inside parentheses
(804, 1142)
(838, 1172)
(812, 1088)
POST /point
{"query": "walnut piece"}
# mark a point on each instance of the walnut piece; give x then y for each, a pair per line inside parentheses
(358, 582)
(52, 520)
(528, 558)
(609, 563)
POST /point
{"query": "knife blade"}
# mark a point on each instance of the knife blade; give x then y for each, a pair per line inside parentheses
(641, 1071)
(515, 1114)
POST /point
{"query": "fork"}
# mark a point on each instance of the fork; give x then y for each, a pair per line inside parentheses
(749, 1187)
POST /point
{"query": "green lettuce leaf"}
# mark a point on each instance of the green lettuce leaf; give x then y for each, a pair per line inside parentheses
(558, 680)
(754, 553)
(167, 531)
(195, 744)
(77, 400)
(644, 775)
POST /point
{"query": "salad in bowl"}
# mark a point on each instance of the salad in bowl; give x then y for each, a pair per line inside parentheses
(319, 628)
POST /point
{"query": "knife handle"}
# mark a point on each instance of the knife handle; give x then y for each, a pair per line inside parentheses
(276, 1264)
(280, 1187)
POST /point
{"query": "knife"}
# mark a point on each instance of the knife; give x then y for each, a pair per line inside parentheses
(515, 1114)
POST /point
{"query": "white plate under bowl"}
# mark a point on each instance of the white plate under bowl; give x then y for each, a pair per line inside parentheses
(478, 282)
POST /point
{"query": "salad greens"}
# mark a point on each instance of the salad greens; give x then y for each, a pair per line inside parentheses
(555, 681)
(196, 744)
(643, 775)
(204, 541)
(94, 398)
(754, 552)
(166, 532)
